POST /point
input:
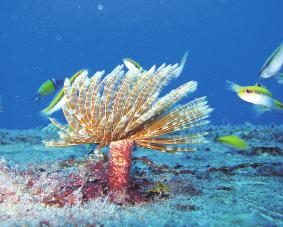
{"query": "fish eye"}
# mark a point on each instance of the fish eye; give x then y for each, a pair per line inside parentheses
(249, 91)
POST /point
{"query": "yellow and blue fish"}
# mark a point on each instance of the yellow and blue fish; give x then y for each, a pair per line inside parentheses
(58, 101)
(258, 95)
(47, 88)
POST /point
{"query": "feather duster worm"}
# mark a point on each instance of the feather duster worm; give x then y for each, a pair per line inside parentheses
(123, 109)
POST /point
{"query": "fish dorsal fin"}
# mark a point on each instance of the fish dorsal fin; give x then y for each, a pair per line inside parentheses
(262, 90)
(259, 85)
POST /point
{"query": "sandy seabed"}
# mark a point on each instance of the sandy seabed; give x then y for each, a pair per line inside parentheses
(213, 186)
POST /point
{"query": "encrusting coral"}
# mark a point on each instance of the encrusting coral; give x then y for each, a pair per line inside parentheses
(123, 110)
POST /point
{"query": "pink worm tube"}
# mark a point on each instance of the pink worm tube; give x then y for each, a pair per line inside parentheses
(120, 158)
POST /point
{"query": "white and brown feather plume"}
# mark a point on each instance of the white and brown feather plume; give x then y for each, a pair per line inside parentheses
(126, 106)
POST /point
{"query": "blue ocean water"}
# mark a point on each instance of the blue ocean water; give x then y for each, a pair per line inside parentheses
(226, 40)
(214, 186)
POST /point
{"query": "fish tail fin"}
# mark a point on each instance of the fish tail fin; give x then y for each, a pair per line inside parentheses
(233, 86)
(45, 113)
(53, 107)
(36, 98)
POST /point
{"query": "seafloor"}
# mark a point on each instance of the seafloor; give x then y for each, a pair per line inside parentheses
(213, 186)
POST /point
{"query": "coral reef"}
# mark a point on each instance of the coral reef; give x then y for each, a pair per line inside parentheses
(191, 189)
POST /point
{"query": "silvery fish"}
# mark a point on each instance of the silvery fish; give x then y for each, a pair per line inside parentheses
(273, 64)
